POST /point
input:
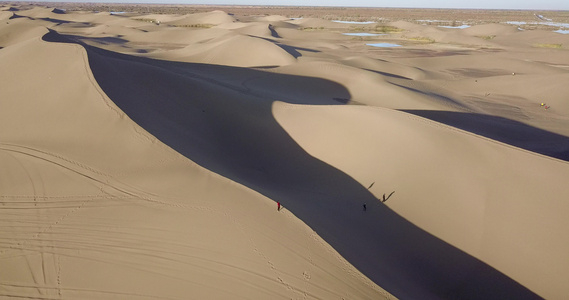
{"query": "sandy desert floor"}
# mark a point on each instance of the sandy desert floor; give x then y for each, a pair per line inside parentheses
(142, 156)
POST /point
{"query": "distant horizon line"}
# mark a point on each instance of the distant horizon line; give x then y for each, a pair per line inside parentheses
(278, 5)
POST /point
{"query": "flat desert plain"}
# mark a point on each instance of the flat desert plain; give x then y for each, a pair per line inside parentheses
(225, 154)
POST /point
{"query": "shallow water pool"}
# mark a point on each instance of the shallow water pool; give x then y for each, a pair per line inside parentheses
(456, 27)
(353, 22)
(552, 24)
(384, 45)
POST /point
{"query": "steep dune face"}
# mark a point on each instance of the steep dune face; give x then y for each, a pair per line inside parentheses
(5, 15)
(227, 48)
(144, 160)
(92, 199)
(261, 29)
(365, 86)
(36, 12)
(250, 46)
(245, 52)
(222, 124)
(17, 31)
(489, 207)
(386, 67)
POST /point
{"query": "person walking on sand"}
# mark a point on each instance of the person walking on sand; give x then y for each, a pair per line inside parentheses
(278, 206)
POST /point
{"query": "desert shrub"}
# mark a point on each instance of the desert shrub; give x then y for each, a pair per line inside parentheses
(422, 39)
(311, 28)
(553, 46)
(194, 25)
(376, 29)
(145, 20)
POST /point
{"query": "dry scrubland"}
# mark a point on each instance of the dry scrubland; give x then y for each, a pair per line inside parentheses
(142, 154)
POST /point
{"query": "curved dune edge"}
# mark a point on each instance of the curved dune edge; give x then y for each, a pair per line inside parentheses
(256, 152)
(93, 199)
(226, 119)
(492, 212)
(240, 51)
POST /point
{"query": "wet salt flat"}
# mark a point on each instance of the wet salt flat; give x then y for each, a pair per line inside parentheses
(383, 45)
(516, 23)
(363, 34)
(456, 27)
(553, 24)
(353, 22)
(564, 26)
(543, 18)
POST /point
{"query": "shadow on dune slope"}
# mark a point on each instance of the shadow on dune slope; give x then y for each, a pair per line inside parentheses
(212, 116)
(504, 130)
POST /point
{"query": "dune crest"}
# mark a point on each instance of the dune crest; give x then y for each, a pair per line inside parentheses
(191, 232)
(5, 15)
(419, 160)
(225, 155)
(490, 31)
(235, 50)
(212, 18)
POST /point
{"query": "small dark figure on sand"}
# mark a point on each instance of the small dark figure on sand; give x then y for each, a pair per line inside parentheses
(365, 207)
(278, 206)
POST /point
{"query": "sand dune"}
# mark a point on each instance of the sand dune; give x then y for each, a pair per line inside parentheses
(18, 30)
(271, 165)
(484, 198)
(5, 15)
(234, 50)
(36, 12)
(94, 168)
(536, 39)
(272, 18)
(317, 23)
(489, 30)
(438, 34)
(386, 67)
(362, 86)
(144, 161)
(268, 30)
(263, 30)
(160, 17)
(213, 18)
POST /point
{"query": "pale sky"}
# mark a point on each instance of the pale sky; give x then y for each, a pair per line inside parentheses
(489, 4)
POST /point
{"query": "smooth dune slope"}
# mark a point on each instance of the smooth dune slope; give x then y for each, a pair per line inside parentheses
(490, 31)
(4, 15)
(243, 51)
(221, 124)
(438, 34)
(145, 159)
(488, 198)
(96, 208)
(19, 30)
(211, 18)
